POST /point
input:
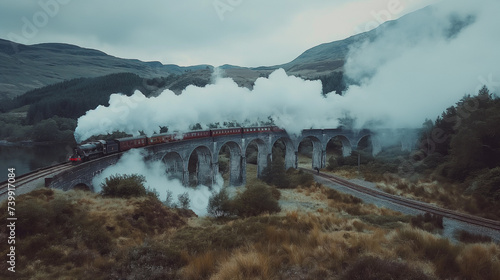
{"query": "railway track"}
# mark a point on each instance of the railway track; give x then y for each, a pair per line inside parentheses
(34, 175)
(470, 219)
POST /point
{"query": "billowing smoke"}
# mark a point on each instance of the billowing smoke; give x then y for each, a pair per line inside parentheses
(291, 102)
(156, 178)
(425, 63)
(413, 70)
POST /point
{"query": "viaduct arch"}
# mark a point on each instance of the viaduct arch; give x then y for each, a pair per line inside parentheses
(176, 156)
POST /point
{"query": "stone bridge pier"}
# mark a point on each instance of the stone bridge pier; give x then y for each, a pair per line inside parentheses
(176, 156)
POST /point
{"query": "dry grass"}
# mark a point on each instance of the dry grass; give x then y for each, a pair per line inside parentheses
(203, 265)
(472, 261)
(80, 235)
(479, 261)
(446, 195)
(334, 237)
(245, 263)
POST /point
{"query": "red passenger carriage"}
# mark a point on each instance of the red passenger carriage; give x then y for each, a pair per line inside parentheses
(132, 142)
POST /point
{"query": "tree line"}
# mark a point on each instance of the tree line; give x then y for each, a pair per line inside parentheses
(463, 144)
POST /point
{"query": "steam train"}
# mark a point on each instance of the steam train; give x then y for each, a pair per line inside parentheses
(100, 148)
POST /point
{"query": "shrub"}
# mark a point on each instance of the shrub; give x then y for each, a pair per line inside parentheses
(169, 200)
(428, 222)
(184, 200)
(275, 174)
(276, 193)
(299, 178)
(219, 204)
(255, 200)
(151, 216)
(124, 186)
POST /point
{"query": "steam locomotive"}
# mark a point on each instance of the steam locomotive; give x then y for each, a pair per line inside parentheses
(100, 148)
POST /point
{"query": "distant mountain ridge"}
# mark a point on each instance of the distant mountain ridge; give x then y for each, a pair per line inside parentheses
(26, 67)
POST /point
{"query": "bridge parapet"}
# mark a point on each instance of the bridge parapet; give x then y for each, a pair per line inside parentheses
(83, 174)
(176, 155)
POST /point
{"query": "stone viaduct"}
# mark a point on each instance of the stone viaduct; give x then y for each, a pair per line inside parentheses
(176, 155)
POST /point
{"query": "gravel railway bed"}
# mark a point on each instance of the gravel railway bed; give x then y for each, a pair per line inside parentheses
(452, 220)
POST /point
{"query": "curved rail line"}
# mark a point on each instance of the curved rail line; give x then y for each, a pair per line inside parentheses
(467, 218)
(34, 175)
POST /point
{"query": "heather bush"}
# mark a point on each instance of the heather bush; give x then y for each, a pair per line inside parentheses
(256, 199)
(124, 186)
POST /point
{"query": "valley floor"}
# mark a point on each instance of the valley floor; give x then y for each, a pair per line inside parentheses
(320, 233)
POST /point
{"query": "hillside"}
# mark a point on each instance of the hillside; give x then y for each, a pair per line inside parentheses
(28, 67)
(24, 67)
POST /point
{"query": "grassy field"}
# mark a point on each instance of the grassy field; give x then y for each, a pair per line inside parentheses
(319, 234)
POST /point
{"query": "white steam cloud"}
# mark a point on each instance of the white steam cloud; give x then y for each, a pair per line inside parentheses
(411, 71)
(157, 179)
(419, 67)
(293, 104)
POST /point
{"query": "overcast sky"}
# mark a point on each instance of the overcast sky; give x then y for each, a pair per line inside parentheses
(189, 32)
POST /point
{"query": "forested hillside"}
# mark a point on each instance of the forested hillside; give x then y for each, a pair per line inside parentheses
(50, 113)
(466, 143)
